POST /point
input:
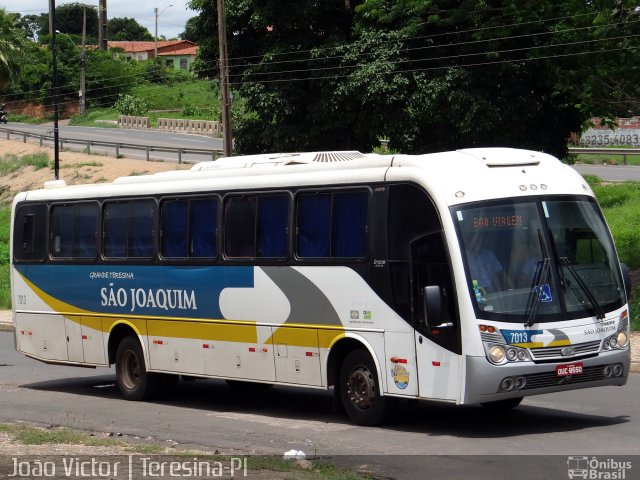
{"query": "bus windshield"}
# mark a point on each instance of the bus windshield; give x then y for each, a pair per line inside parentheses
(539, 260)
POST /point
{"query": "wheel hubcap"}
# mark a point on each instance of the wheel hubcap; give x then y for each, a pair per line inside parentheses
(130, 370)
(361, 388)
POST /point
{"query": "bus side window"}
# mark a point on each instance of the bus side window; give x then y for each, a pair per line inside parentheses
(129, 229)
(333, 224)
(29, 236)
(74, 230)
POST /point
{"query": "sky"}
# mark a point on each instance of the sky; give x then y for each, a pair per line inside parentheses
(171, 20)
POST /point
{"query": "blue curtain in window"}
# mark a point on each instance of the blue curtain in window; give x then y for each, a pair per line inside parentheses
(273, 219)
(115, 230)
(204, 220)
(174, 228)
(141, 230)
(86, 230)
(349, 232)
(313, 223)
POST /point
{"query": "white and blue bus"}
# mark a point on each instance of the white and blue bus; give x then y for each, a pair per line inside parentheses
(477, 276)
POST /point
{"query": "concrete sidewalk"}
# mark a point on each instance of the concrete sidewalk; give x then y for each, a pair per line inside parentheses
(6, 321)
(6, 324)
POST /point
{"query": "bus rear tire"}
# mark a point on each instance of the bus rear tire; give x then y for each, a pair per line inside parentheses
(134, 382)
(502, 406)
(360, 391)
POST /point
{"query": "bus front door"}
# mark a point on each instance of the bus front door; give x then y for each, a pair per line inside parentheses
(438, 363)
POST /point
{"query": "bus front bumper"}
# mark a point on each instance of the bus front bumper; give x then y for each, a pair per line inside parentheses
(487, 383)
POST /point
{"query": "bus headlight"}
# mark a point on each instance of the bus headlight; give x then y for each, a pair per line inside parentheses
(619, 341)
(497, 354)
(501, 354)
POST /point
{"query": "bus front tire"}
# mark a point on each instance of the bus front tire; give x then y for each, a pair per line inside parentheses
(360, 390)
(134, 382)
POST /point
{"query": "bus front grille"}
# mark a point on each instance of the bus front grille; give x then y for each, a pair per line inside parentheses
(550, 379)
(580, 349)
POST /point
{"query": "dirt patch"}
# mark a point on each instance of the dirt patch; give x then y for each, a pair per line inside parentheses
(75, 168)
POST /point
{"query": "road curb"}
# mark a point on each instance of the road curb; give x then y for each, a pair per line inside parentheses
(635, 367)
(6, 327)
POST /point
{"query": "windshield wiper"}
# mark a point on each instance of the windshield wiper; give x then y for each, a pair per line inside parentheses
(542, 274)
(534, 295)
(564, 261)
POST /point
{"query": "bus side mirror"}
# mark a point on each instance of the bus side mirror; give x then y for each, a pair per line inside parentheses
(433, 302)
(626, 279)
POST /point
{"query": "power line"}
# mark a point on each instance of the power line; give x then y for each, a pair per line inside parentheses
(447, 57)
(436, 35)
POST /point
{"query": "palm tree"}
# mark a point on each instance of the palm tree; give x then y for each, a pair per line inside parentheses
(11, 38)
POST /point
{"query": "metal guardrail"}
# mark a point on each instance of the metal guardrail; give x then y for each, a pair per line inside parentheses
(606, 151)
(117, 146)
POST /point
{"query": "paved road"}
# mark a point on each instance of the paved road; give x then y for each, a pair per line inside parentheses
(611, 173)
(602, 422)
(153, 138)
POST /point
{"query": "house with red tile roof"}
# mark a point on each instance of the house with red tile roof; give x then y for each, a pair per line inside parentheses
(172, 53)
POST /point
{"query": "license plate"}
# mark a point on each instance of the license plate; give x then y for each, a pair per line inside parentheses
(569, 369)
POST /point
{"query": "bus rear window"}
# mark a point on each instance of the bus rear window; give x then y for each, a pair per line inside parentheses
(29, 236)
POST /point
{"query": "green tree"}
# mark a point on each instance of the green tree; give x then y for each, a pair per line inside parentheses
(429, 74)
(33, 25)
(11, 41)
(192, 30)
(127, 29)
(69, 20)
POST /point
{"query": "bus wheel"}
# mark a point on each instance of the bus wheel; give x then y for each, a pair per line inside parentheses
(502, 406)
(134, 382)
(359, 389)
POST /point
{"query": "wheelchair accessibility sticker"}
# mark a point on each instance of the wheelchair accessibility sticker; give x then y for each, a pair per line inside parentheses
(544, 293)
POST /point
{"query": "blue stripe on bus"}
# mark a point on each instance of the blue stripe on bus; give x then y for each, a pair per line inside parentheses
(192, 291)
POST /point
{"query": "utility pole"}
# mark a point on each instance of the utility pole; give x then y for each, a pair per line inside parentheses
(155, 49)
(54, 81)
(225, 101)
(82, 62)
(102, 27)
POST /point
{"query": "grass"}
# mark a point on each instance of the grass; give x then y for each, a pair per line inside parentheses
(194, 93)
(27, 435)
(620, 204)
(15, 117)
(39, 436)
(190, 99)
(10, 163)
(93, 118)
(608, 159)
(5, 287)
(82, 164)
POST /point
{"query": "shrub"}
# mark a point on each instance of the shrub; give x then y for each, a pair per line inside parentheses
(130, 105)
